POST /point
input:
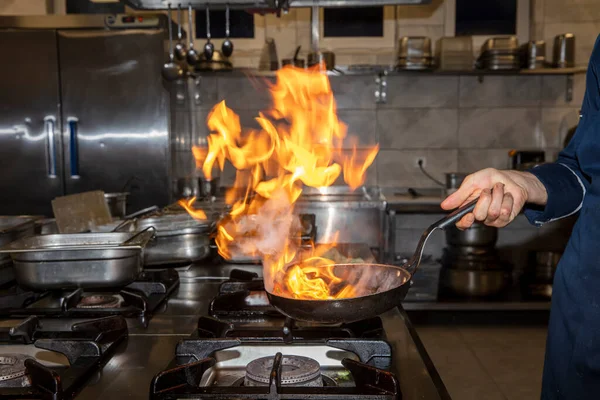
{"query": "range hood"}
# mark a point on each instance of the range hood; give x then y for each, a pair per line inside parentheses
(267, 4)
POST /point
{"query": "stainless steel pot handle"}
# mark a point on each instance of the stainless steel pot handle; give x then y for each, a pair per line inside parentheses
(73, 147)
(49, 125)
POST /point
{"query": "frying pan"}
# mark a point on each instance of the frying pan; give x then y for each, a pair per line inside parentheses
(391, 283)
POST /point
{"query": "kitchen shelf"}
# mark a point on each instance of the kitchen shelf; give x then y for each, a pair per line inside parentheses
(382, 72)
(385, 70)
(483, 72)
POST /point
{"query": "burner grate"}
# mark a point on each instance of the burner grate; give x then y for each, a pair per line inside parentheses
(183, 380)
(140, 300)
(87, 346)
(288, 330)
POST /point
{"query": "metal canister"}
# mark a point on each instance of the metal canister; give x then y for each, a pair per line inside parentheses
(117, 204)
(564, 51)
(454, 180)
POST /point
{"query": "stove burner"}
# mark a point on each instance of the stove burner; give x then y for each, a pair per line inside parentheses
(12, 370)
(295, 371)
(99, 301)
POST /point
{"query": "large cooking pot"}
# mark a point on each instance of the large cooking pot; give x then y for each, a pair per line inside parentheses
(474, 282)
(179, 239)
(479, 235)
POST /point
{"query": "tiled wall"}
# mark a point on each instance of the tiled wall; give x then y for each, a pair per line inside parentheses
(455, 123)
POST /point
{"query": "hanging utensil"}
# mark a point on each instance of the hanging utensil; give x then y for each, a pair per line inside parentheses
(180, 50)
(391, 284)
(227, 46)
(209, 48)
(192, 56)
(170, 69)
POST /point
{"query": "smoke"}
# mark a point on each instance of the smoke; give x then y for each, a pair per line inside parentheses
(267, 231)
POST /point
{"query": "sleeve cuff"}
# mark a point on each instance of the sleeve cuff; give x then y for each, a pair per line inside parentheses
(565, 194)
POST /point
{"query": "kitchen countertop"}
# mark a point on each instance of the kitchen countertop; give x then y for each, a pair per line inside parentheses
(130, 370)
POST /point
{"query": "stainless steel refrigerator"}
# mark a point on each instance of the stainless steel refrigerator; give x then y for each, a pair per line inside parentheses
(82, 107)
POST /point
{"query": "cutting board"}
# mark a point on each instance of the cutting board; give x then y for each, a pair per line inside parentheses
(81, 212)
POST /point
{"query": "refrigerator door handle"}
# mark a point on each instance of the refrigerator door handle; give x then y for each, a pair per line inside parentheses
(73, 147)
(49, 127)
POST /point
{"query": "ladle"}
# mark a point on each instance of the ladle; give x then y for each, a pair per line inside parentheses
(209, 48)
(180, 50)
(171, 70)
(192, 55)
(227, 46)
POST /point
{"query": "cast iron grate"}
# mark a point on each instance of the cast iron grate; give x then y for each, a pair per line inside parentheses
(194, 357)
(87, 347)
(140, 299)
(288, 330)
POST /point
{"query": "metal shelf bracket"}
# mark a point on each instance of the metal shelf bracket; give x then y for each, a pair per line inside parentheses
(381, 90)
(569, 89)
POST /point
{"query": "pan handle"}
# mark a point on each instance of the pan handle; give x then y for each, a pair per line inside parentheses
(141, 238)
(447, 221)
(455, 216)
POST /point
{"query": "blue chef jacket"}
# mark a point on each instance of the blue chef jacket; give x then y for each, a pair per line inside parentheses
(572, 365)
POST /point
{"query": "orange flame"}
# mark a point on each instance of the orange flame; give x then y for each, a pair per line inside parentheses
(300, 142)
(188, 205)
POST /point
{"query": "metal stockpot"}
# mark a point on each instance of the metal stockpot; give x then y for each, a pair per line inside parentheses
(179, 239)
(473, 282)
(478, 235)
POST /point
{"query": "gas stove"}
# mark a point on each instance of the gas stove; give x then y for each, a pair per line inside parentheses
(209, 334)
(247, 349)
(139, 300)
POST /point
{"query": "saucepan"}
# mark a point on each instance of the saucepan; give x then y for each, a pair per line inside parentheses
(383, 286)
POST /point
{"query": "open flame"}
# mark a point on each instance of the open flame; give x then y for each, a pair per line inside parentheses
(300, 142)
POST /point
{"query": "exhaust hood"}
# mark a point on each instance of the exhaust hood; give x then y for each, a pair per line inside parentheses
(267, 4)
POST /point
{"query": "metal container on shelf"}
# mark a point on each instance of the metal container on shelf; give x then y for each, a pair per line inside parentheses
(414, 52)
(499, 53)
(454, 53)
(533, 54)
(454, 180)
(117, 204)
(87, 260)
(563, 55)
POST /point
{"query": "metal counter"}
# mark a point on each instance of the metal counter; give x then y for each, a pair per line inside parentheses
(147, 351)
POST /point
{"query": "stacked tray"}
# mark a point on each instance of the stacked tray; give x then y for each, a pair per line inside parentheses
(414, 53)
(500, 53)
(80, 260)
(454, 53)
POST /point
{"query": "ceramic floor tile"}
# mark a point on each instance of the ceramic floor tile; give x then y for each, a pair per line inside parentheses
(459, 368)
(513, 357)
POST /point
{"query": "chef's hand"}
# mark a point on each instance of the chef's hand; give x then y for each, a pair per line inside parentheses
(502, 195)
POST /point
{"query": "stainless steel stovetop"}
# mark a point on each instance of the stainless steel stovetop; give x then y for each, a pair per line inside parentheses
(149, 350)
